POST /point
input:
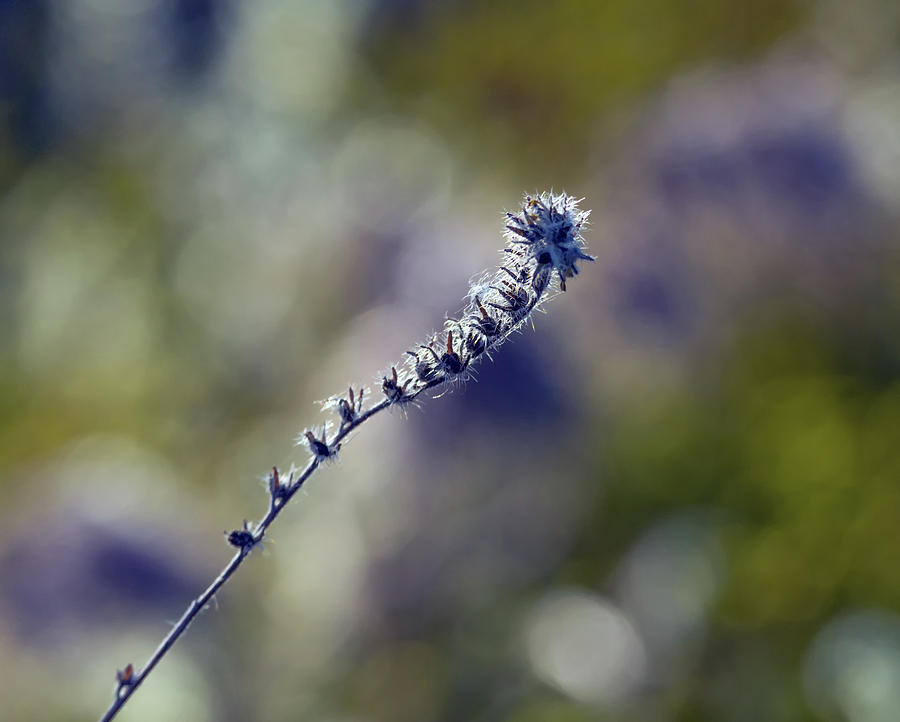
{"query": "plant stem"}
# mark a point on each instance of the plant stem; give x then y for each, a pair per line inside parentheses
(543, 242)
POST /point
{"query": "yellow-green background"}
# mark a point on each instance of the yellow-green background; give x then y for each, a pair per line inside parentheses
(677, 499)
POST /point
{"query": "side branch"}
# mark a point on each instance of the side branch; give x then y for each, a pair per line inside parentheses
(128, 680)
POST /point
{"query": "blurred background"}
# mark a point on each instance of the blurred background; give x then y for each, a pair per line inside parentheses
(676, 500)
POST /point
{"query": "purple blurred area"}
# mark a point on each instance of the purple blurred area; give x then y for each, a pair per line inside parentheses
(70, 575)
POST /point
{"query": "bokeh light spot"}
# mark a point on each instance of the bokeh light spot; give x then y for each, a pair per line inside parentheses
(585, 646)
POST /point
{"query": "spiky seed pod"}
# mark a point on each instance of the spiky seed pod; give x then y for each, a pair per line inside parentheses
(425, 368)
(320, 448)
(394, 388)
(543, 242)
(549, 231)
(241, 538)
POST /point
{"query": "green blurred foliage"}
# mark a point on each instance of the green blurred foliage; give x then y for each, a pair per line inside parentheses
(796, 452)
(532, 82)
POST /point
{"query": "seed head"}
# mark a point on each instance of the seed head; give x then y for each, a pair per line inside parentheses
(543, 243)
(548, 231)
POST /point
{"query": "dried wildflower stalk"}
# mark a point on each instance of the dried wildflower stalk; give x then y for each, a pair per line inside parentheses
(543, 247)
